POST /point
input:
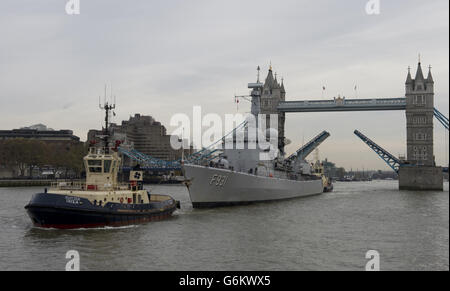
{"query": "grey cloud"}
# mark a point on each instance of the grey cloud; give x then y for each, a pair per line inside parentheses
(163, 57)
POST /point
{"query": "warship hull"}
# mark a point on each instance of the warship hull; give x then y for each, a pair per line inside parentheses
(213, 187)
(69, 212)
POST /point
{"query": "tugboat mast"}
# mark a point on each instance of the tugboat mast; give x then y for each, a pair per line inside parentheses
(107, 107)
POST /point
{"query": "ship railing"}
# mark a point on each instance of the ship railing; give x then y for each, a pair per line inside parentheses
(68, 185)
(159, 198)
(101, 150)
(82, 186)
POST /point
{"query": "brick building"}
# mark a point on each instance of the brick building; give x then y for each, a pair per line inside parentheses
(144, 134)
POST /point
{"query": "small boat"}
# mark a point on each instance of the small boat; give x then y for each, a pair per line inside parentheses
(327, 182)
(101, 200)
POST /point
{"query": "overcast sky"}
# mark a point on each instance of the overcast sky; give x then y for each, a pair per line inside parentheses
(163, 57)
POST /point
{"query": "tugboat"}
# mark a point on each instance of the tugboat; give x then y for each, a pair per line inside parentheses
(326, 181)
(101, 200)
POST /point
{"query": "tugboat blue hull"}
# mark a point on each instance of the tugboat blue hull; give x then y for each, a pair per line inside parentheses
(69, 212)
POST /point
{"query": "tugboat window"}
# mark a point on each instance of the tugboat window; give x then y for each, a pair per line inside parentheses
(107, 167)
(95, 166)
(95, 163)
(95, 169)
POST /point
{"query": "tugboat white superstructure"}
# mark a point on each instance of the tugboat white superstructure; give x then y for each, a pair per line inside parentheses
(101, 200)
(239, 176)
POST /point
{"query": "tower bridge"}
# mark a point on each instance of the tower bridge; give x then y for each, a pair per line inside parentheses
(419, 170)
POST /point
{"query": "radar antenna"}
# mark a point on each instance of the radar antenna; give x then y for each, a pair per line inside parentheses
(106, 134)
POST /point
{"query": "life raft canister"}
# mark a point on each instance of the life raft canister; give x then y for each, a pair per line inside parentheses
(92, 187)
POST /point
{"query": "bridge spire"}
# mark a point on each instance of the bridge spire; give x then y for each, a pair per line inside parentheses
(419, 74)
(430, 76)
(409, 78)
(276, 84)
(269, 79)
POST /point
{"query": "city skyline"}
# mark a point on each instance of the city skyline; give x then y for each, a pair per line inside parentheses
(165, 58)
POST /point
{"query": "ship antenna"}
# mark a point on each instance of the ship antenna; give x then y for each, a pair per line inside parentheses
(107, 107)
(182, 146)
(259, 69)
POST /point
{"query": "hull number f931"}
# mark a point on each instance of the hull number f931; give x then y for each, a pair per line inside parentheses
(218, 180)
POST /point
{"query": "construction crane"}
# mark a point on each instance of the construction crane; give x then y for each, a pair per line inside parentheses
(147, 161)
(206, 154)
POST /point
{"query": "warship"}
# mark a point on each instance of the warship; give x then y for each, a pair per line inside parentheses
(101, 200)
(239, 176)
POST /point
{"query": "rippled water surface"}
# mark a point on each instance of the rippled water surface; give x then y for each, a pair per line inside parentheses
(333, 231)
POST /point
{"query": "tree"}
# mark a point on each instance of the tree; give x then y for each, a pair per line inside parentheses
(15, 154)
(23, 153)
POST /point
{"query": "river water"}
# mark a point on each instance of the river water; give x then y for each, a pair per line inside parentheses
(410, 230)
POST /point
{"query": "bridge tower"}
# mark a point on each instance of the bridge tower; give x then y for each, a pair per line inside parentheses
(273, 93)
(419, 117)
(420, 172)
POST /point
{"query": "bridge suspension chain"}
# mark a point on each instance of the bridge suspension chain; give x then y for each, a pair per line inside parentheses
(441, 118)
